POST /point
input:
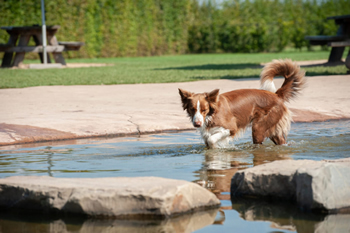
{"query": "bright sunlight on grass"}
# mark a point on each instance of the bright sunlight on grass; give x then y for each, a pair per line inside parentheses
(164, 69)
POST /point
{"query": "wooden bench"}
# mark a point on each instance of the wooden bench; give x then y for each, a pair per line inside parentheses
(4, 46)
(345, 43)
(343, 34)
(61, 47)
(34, 49)
(70, 45)
(17, 46)
(323, 40)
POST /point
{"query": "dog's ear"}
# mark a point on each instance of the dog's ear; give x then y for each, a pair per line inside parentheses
(185, 96)
(213, 96)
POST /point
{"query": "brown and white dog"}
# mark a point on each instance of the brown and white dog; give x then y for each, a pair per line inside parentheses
(221, 117)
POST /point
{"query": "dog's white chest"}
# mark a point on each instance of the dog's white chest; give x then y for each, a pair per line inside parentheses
(216, 137)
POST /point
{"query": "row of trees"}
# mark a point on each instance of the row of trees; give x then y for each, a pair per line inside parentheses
(261, 25)
(155, 27)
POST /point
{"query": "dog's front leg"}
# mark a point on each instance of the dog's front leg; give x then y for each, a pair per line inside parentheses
(216, 137)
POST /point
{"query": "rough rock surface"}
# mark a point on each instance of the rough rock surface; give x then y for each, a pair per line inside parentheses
(139, 197)
(312, 184)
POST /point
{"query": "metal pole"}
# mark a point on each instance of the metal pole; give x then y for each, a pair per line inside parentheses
(43, 30)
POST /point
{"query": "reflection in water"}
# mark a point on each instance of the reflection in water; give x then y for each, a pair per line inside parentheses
(219, 166)
(181, 224)
(49, 161)
(180, 156)
(286, 216)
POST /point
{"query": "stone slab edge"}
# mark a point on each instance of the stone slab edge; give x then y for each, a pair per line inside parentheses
(117, 197)
(313, 185)
(11, 134)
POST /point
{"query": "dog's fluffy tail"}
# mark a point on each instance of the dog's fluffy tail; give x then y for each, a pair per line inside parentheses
(294, 78)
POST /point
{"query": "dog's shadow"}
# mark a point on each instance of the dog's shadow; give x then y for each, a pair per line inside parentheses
(229, 66)
(244, 66)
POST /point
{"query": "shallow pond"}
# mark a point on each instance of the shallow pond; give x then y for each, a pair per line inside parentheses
(179, 156)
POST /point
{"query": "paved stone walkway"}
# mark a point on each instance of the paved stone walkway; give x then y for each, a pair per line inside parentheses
(67, 112)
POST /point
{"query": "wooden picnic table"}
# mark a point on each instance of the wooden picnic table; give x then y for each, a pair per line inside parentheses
(337, 42)
(17, 46)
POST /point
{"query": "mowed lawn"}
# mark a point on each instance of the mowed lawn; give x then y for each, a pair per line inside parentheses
(161, 69)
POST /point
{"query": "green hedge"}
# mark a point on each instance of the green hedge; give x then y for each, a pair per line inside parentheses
(113, 28)
(108, 27)
(261, 25)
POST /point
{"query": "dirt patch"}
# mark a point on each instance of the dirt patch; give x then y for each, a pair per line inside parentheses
(69, 65)
(78, 65)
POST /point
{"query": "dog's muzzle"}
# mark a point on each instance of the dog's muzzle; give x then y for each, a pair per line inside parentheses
(197, 124)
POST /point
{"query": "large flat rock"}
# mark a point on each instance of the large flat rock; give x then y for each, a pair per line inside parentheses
(319, 185)
(139, 197)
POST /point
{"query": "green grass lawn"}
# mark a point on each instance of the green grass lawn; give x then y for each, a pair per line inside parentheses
(163, 69)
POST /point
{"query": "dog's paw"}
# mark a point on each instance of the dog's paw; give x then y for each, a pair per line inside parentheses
(212, 143)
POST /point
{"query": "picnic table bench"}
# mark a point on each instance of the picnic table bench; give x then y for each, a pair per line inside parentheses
(337, 42)
(17, 45)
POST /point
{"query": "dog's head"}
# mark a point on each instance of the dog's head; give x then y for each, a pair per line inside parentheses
(199, 106)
